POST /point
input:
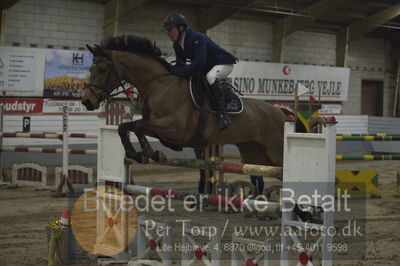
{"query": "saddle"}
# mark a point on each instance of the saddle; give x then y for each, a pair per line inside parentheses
(203, 98)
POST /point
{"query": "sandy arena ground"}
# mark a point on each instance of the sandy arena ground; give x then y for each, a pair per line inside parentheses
(25, 212)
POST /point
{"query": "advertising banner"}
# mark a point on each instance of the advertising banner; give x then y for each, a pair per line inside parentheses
(51, 106)
(21, 69)
(22, 105)
(273, 81)
(42, 106)
(66, 72)
(330, 109)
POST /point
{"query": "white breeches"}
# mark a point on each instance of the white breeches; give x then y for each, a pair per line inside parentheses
(218, 72)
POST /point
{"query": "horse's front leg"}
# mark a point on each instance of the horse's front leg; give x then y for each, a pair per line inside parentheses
(156, 127)
(147, 150)
(130, 152)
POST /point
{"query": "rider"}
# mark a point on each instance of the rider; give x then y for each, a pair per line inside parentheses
(205, 55)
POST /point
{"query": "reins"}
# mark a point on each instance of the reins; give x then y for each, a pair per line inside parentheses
(103, 96)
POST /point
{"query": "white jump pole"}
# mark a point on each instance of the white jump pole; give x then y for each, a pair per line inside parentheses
(1, 145)
(65, 143)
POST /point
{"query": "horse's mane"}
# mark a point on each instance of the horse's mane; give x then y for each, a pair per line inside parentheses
(135, 44)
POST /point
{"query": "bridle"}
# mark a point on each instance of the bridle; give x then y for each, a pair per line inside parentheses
(104, 96)
(103, 90)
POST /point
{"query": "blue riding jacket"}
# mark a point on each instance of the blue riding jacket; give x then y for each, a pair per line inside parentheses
(202, 51)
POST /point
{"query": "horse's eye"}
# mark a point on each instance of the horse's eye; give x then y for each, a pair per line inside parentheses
(102, 70)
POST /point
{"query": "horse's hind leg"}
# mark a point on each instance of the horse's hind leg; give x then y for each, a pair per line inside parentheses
(258, 182)
(255, 153)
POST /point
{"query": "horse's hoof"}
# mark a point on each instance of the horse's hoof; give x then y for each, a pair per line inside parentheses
(138, 157)
(141, 158)
(130, 157)
(159, 157)
(129, 161)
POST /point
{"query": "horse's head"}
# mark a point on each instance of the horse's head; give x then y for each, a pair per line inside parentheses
(103, 78)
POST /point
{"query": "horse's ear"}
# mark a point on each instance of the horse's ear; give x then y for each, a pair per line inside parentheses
(90, 48)
(102, 51)
(98, 48)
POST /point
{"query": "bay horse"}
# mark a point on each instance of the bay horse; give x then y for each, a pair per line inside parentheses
(168, 112)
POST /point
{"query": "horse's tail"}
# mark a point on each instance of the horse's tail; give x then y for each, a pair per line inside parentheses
(300, 127)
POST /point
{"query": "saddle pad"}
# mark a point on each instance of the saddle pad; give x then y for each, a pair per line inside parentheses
(233, 103)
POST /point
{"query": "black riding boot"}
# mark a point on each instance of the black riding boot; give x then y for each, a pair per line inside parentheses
(223, 120)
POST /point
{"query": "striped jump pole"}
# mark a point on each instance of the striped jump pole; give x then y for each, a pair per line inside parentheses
(1, 144)
(377, 134)
(248, 204)
(45, 150)
(367, 157)
(367, 138)
(45, 135)
(227, 167)
(165, 193)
